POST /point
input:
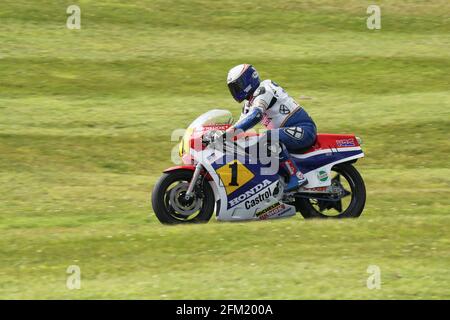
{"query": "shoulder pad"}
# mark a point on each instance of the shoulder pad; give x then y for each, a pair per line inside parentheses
(245, 107)
(259, 91)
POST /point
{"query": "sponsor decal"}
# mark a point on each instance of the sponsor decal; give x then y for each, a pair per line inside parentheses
(295, 132)
(284, 109)
(249, 193)
(257, 200)
(255, 74)
(345, 143)
(275, 209)
(290, 167)
(317, 189)
(221, 127)
(322, 176)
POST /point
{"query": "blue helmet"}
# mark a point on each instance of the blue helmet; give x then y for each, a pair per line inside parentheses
(242, 81)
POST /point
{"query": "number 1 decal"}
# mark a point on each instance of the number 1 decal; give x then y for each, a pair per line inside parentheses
(234, 175)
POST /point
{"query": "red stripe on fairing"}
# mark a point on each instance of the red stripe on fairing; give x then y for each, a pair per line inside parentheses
(329, 140)
(186, 167)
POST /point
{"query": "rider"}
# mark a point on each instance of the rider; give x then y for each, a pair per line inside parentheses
(268, 103)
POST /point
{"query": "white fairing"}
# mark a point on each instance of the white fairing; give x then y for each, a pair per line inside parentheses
(271, 206)
(313, 176)
(268, 207)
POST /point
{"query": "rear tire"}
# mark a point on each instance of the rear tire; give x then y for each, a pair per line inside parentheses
(166, 213)
(358, 193)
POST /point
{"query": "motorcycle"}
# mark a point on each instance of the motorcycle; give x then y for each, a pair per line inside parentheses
(210, 180)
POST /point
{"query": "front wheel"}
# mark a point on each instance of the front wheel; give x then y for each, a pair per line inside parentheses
(171, 206)
(348, 202)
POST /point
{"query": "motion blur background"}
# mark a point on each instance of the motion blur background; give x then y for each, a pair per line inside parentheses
(85, 123)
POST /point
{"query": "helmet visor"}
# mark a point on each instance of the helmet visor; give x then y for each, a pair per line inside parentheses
(236, 91)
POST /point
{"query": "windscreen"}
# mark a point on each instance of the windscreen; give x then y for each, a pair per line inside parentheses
(212, 117)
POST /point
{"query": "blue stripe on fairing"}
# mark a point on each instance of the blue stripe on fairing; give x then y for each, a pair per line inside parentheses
(320, 160)
(305, 166)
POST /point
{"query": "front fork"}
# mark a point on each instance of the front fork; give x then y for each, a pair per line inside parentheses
(198, 169)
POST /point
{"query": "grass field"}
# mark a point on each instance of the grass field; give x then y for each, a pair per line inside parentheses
(85, 123)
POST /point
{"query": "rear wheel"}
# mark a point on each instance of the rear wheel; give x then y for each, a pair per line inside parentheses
(171, 206)
(347, 203)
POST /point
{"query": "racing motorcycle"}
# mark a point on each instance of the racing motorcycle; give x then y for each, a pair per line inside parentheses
(210, 180)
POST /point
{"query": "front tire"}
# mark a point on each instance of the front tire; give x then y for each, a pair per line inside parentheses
(310, 208)
(169, 204)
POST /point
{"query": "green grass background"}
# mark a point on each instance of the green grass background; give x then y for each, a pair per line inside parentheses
(85, 123)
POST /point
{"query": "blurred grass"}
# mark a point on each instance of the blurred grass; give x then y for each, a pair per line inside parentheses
(85, 124)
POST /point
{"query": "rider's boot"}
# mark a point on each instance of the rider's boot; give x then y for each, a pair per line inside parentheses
(296, 178)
